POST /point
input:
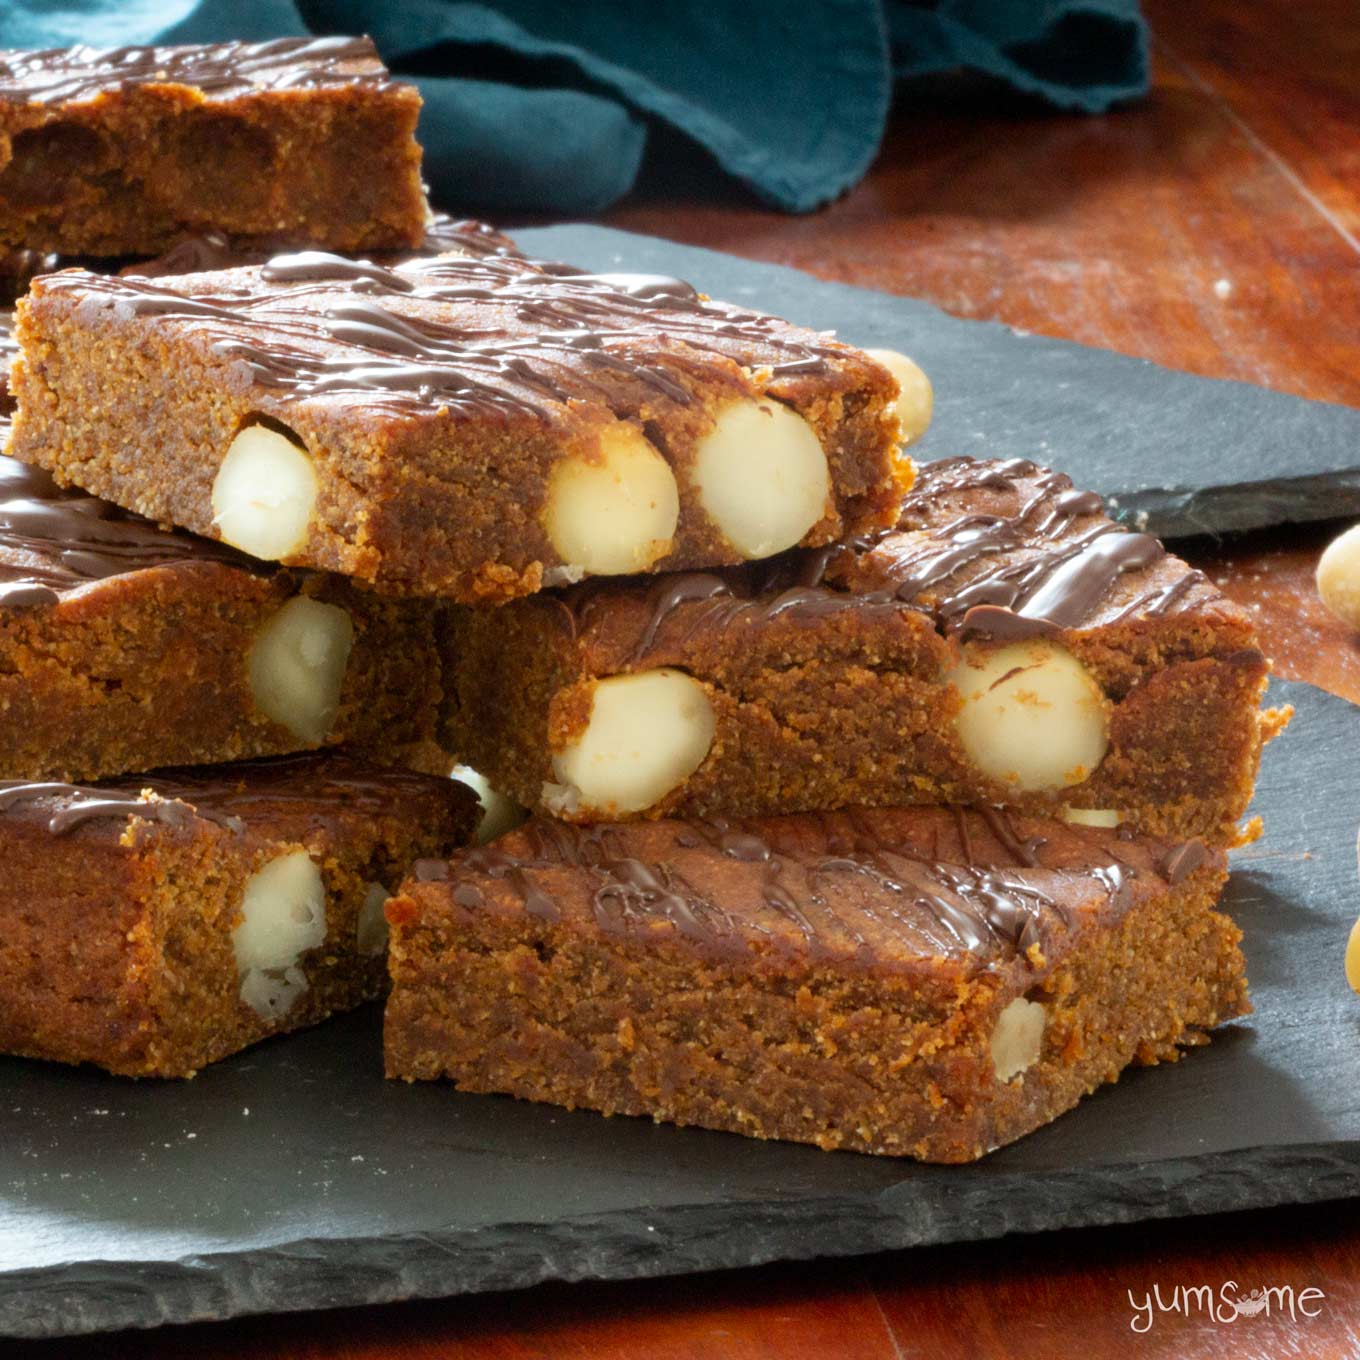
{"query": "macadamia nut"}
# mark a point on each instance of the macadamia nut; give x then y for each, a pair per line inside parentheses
(1017, 1038)
(371, 929)
(762, 476)
(613, 512)
(916, 397)
(297, 666)
(1033, 717)
(1338, 577)
(1353, 957)
(1108, 818)
(499, 813)
(647, 734)
(1353, 946)
(264, 494)
(283, 915)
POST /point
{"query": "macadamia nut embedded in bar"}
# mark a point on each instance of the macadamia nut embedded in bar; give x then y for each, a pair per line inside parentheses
(474, 428)
(919, 982)
(1004, 643)
(128, 647)
(120, 151)
(157, 923)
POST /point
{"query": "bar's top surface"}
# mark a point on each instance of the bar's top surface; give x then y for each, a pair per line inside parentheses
(998, 548)
(897, 886)
(486, 336)
(209, 251)
(233, 796)
(68, 75)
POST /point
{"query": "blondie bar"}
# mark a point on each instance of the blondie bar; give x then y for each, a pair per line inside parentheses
(126, 647)
(1005, 642)
(473, 427)
(120, 151)
(923, 982)
(156, 924)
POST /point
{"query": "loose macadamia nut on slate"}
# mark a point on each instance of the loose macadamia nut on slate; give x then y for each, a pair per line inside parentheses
(1338, 577)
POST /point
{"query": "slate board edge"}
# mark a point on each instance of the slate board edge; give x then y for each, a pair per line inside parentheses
(1218, 510)
(774, 270)
(1222, 508)
(86, 1297)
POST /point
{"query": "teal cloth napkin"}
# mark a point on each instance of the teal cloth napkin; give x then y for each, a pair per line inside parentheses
(546, 105)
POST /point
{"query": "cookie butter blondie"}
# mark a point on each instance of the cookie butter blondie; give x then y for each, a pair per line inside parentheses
(156, 924)
(119, 151)
(1005, 642)
(125, 647)
(458, 426)
(920, 982)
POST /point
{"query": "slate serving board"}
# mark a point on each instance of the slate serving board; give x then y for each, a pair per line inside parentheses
(1192, 455)
(294, 1177)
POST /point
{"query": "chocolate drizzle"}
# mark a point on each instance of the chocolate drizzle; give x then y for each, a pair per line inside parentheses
(1182, 860)
(71, 805)
(53, 541)
(465, 234)
(226, 795)
(992, 906)
(487, 334)
(63, 75)
(796, 585)
(1024, 850)
(200, 253)
(1046, 561)
(1011, 575)
(757, 594)
(208, 251)
(323, 779)
(628, 891)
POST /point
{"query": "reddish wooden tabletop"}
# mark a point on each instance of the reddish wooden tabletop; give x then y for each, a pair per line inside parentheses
(1215, 228)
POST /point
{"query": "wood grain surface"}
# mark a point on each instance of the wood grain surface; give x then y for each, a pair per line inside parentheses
(1214, 228)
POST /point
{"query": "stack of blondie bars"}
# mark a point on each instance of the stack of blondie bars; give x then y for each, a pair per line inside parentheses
(860, 804)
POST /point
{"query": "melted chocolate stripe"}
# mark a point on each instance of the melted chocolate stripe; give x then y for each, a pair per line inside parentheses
(949, 571)
(208, 251)
(225, 795)
(54, 540)
(61, 75)
(978, 908)
(1056, 590)
(404, 360)
(73, 805)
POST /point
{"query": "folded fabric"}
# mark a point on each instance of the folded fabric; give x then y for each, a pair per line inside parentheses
(1077, 54)
(536, 105)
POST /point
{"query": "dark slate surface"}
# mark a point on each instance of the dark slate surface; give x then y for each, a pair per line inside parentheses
(294, 1177)
(1192, 454)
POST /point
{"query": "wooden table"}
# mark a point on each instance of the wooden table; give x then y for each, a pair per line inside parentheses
(1214, 228)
